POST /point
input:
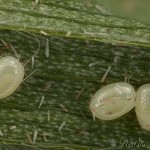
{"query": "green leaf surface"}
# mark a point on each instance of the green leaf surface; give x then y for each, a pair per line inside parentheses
(83, 43)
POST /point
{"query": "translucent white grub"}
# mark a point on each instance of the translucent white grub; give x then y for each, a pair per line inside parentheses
(47, 48)
(61, 126)
(105, 75)
(11, 75)
(12, 71)
(113, 101)
(142, 106)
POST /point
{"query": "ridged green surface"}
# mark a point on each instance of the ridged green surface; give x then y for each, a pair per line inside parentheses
(58, 17)
(67, 71)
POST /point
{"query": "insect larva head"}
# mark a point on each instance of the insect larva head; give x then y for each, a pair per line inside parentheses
(11, 75)
(112, 101)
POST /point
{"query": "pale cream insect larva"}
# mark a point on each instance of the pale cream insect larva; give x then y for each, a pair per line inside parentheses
(11, 75)
(142, 106)
(12, 71)
(113, 101)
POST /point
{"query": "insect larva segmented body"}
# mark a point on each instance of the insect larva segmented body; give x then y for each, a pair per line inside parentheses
(11, 75)
(113, 101)
(142, 106)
